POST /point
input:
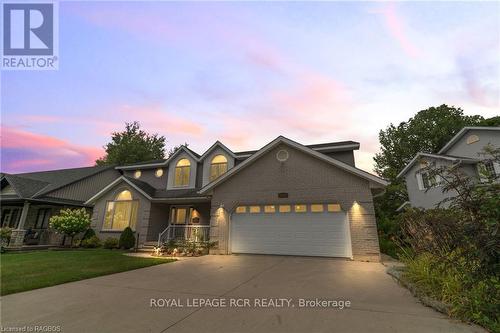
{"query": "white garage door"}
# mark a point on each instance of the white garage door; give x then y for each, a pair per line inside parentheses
(266, 230)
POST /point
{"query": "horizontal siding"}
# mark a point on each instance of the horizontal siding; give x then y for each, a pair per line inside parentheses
(85, 188)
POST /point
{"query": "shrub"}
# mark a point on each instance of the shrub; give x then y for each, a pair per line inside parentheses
(88, 233)
(91, 242)
(70, 222)
(5, 234)
(470, 298)
(127, 239)
(110, 243)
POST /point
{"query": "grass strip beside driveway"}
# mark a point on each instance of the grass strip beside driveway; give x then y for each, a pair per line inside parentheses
(32, 270)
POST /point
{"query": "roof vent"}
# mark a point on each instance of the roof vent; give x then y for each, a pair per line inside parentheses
(282, 155)
(472, 139)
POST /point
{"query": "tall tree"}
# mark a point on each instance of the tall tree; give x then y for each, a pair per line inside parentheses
(174, 149)
(493, 121)
(133, 145)
(428, 131)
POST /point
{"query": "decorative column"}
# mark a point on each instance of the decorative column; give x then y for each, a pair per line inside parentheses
(17, 235)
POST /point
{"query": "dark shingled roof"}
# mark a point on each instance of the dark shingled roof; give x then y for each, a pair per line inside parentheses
(39, 183)
(187, 193)
(145, 162)
(193, 152)
(250, 152)
(162, 193)
(314, 146)
(25, 187)
(148, 189)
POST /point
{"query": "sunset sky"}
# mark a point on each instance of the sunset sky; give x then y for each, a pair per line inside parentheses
(244, 73)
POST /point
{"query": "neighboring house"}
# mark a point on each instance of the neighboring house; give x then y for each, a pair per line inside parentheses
(464, 151)
(28, 200)
(285, 198)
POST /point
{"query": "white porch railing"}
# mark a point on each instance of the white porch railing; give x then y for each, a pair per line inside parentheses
(196, 233)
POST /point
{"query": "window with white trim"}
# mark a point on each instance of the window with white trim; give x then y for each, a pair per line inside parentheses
(486, 170)
(427, 180)
(121, 213)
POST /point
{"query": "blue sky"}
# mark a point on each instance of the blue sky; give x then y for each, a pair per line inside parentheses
(245, 73)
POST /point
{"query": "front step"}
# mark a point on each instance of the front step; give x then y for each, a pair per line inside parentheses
(147, 247)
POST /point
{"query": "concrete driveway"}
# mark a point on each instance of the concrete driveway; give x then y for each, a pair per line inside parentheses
(121, 302)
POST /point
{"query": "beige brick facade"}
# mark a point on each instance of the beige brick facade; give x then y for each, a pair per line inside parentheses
(306, 179)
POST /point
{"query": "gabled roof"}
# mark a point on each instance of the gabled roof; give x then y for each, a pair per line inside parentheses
(160, 163)
(214, 146)
(24, 187)
(127, 180)
(36, 184)
(56, 179)
(148, 191)
(439, 156)
(320, 147)
(281, 139)
(461, 133)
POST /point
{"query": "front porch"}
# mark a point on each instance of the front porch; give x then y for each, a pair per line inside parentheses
(29, 222)
(186, 223)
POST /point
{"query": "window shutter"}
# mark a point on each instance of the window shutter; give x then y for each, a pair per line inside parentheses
(420, 182)
(496, 166)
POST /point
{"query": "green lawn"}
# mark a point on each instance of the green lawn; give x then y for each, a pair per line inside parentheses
(38, 269)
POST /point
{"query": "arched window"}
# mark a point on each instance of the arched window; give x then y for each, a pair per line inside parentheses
(121, 213)
(124, 195)
(182, 172)
(218, 167)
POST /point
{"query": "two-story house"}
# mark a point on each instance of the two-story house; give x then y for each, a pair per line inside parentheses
(285, 198)
(464, 150)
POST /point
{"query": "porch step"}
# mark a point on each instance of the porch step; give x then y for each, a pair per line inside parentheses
(147, 246)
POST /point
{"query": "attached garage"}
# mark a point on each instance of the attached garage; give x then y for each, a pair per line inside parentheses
(301, 229)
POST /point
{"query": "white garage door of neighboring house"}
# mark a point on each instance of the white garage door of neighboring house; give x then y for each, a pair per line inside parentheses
(296, 232)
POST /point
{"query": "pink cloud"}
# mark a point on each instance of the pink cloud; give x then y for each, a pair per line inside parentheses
(26, 151)
(397, 27)
(42, 119)
(158, 118)
(29, 163)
